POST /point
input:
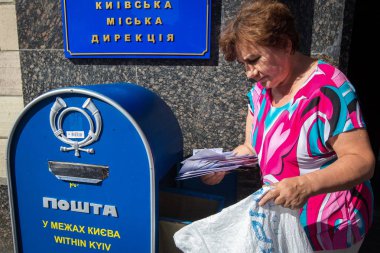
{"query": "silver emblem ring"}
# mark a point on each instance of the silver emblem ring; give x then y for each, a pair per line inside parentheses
(59, 124)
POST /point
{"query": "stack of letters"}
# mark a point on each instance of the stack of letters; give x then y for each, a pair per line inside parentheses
(207, 161)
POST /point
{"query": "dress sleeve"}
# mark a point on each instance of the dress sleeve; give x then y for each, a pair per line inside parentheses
(250, 100)
(339, 107)
(254, 97)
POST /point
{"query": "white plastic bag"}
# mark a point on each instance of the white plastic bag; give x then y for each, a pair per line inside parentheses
(246, 227)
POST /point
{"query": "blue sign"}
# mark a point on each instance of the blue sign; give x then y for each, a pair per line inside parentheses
(136, 29)
(84, 167)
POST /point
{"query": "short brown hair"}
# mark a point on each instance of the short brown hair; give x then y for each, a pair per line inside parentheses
(266, 23)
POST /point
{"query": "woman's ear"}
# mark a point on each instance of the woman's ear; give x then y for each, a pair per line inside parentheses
(289, 46)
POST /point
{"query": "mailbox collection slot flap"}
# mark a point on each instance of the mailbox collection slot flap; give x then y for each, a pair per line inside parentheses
(79, 172)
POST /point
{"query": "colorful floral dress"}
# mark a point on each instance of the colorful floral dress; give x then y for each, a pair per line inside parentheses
(291, 140)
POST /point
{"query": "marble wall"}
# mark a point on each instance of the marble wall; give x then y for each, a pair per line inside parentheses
(207, 96)
(6, 242)
(332, 30)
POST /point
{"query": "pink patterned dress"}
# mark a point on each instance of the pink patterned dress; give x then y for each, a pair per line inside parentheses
(291, 140)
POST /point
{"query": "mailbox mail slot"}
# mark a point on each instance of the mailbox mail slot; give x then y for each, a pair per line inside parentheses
(84, 165)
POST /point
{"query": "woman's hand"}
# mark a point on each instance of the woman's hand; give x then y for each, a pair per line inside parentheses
(214, 178)
(290, 192)
(243, 149)
(217, 177)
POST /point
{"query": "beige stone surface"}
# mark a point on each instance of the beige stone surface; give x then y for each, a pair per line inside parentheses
(11, 102)
(8, 27)
(3, 143)
(10, 108)
(10, 73)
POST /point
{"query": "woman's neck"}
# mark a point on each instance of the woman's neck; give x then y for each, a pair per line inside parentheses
(301, 67)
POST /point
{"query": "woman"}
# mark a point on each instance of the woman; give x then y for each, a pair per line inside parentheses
(305, 125)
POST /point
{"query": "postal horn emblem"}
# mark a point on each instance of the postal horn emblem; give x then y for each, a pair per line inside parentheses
(60, 109)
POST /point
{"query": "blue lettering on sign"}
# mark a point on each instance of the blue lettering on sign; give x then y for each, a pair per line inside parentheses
(137, 29)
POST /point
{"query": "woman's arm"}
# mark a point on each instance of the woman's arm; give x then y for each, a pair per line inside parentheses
(244, 149)
(354, 165)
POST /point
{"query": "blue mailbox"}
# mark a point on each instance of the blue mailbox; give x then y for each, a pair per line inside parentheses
(84, 165)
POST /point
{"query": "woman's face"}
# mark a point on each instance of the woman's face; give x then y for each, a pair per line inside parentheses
(267, 65)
